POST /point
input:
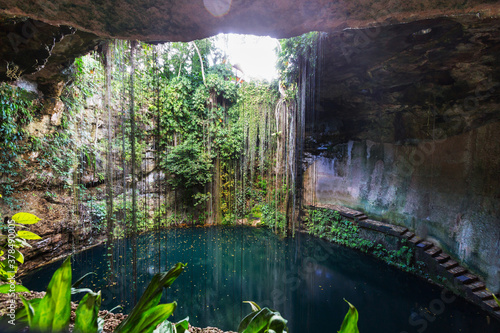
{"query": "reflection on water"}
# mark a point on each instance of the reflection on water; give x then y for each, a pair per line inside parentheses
(304, 278)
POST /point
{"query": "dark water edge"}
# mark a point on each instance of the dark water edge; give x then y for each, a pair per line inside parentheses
(304, 278)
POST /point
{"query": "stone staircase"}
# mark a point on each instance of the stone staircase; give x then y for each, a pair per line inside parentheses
(468, 283)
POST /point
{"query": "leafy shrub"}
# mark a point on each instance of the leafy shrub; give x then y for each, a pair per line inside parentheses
(262, 320)
(52, 313)
(189, 164)
(329, 224)
(270, 321)
(9, 247)
(273, 218)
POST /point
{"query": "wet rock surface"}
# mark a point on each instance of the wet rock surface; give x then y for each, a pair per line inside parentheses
(407, 83)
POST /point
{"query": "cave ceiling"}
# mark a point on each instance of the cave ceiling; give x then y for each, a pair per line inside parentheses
(379, 56)
(407, 83)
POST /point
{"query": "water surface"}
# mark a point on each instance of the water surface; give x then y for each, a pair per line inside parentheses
(304, 278)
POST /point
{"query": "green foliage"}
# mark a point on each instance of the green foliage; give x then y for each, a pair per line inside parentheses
(496, 299)
(6, 289)
(25, 218)
(168, 327)
(273, 218)
(147, 314)
(297, 51)
(87, 313)
(17, 108)
(262, 320)
(9, 246)
(329, 224)
(52, 313)
(190, 165)
(350, 323)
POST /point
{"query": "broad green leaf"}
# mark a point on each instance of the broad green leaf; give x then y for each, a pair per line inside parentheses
(182, 326)
(87, 313)
(151, 297)
(54, 310)
(30, 312)
(5, 288)
(259, 321)
(10, 266)
(27, 235)
(350, 323)
(148, 320)
(19, 256)
(262, 320)
(277, 323)
(165, 327)
(245, 321)
(254, 305)
(496, 299)
(25, 218)
(22, 314)
(168, 327)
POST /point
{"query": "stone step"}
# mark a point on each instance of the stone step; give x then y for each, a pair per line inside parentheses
(359, 214)
(408, 235)
(457, 271)
(468, 278)
(449, 264)
(443, 257)
(434, 251)
(415, 240)
(492, 304)
(424, 245)
(475, 286)
(362, 218)
(483, 294)
(403, 231)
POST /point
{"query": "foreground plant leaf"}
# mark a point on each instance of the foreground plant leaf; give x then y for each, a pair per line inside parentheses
(54, 310)
(168, 327)
(5, 289)
(350, 323)
(496, 299)
(152, 318)
(30, 312)
(262, 320)
(25, 218)
(19, 256)
(22, 313)
(28, 235)
(148, 303)
(87, 313)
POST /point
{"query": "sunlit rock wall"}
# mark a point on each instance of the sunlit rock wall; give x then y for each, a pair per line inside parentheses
(447, 190)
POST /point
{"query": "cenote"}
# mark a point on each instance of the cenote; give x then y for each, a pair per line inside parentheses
(305, 278)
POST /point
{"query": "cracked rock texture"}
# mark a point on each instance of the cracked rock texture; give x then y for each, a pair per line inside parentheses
(406, 128)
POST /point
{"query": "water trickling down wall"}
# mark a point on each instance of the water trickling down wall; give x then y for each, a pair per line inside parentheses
(409, 139)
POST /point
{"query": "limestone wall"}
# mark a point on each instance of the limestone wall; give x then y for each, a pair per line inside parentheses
(446, 190)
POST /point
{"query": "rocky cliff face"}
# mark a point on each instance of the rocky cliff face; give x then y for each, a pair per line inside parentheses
(406, 129)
